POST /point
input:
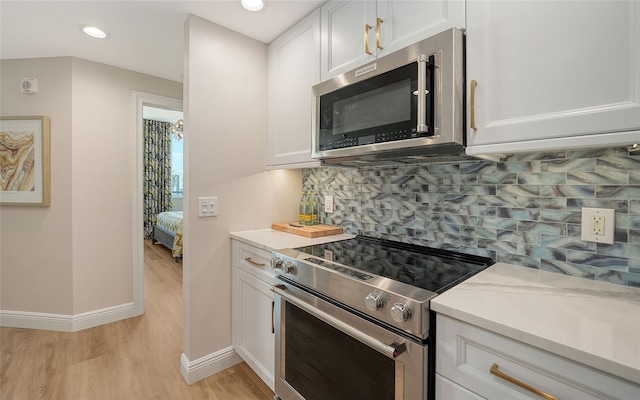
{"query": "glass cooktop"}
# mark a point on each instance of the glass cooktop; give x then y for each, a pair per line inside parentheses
(432, 269)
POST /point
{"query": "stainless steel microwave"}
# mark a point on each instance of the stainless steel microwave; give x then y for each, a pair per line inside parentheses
(403, 107)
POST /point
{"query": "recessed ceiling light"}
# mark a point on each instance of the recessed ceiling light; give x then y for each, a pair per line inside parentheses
(94, 32)
(252, 5)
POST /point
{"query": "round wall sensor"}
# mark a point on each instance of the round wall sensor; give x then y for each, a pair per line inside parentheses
(29, 85)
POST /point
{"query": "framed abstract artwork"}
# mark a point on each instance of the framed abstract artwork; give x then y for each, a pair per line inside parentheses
(25, 176)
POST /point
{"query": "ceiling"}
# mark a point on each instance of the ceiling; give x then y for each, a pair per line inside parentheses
(145, 36)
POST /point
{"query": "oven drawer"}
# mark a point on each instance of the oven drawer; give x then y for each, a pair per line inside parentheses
(253, 260)
(475, 358)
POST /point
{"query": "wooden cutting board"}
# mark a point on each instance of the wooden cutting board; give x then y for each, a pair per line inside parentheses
(312, 231)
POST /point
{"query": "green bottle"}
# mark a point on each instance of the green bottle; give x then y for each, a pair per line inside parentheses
(303, 199)
(315, 205)
(308, 208)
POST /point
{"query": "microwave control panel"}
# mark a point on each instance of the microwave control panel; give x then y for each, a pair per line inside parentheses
(380, 137)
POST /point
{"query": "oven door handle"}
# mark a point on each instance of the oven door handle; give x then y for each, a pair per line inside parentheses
(392, 350)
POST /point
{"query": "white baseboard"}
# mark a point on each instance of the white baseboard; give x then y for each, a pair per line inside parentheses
(65, 323)
(31, 320)
(103, 316)
(194, 371)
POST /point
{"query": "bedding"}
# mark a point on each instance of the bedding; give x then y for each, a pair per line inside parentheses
(168, 231)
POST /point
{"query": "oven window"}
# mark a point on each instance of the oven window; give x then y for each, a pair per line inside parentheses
(323, 363)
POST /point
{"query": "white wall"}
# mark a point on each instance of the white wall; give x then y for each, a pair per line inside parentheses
(102, 180)
(76, 256)
(73, 257)
(225, 156)
(35, 242)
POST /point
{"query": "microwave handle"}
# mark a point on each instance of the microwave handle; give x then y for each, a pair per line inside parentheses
(422, 89)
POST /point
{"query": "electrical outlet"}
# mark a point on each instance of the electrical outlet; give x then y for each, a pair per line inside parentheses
(598, 225)
(328, 204)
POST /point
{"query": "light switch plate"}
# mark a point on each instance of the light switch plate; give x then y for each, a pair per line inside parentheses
(207, 207)
(213, 206)
(598, 225)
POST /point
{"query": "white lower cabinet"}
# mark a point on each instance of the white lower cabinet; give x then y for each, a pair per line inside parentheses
(473, 363)
(253, 325)
(448, 390)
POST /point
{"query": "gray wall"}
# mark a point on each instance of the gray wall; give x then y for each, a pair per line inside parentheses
(524, 211)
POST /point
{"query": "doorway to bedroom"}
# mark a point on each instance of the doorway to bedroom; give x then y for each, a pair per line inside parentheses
(163, 183)
(158, 187)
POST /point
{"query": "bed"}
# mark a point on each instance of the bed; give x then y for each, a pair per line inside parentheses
(168, 231)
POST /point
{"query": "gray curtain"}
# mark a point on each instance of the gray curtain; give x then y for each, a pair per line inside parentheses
(157, 172)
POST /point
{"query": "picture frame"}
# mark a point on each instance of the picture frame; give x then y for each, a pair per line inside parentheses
(25, 170)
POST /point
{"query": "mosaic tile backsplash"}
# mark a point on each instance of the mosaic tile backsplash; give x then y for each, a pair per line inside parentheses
(525, 210)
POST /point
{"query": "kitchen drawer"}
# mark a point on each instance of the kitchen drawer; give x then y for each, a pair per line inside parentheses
(466, 354)
(448, 390)
(253, 260)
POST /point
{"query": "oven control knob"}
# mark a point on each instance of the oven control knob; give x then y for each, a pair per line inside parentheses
(374, 301)
(276, 263)
(400, 312)
(288, 267)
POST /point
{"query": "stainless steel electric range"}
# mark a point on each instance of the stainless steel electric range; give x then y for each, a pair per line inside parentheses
(353, 321)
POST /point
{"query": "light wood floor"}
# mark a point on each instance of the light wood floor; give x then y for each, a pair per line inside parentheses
(137, 358)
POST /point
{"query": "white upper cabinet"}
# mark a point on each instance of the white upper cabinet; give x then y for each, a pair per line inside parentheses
(407, 22)
(293, 68)
(551, 75)
(343, 32)
(356, 32)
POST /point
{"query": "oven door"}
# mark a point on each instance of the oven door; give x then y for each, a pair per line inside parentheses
(325, 352)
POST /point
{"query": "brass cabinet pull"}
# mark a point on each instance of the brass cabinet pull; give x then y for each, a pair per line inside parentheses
(495, 371)
(474, 83)
(366, 39)
(250, 261)
(378, 43)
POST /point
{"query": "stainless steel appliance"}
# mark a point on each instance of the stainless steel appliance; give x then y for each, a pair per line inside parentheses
(352, 318)
(408, 104)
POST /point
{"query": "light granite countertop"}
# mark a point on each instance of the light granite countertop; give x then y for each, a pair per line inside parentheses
(271, 239)
(593, 323)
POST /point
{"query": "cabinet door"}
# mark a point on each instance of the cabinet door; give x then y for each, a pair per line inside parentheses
(406, 22)
(393, 24)
(294, 67)
(253, 336)
(446, 389)
(343, 36)
(553, 74)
